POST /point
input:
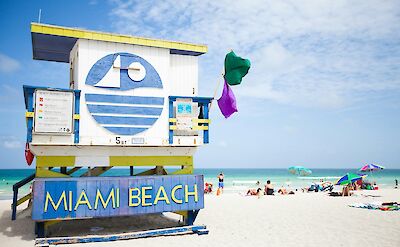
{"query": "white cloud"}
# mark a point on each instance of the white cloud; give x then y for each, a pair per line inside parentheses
(8, 64)
(11, 142)
(320, 53)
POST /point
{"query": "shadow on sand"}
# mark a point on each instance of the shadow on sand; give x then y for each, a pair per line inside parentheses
(24, 226)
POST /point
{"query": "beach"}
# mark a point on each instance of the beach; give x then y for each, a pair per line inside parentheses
(303, 219)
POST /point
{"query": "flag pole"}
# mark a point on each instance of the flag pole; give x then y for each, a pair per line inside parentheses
(219, 82)
(215, 91)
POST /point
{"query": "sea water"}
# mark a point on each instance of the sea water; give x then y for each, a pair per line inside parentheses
(236, 180)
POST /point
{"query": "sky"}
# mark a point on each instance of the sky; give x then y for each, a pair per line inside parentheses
(323, 90)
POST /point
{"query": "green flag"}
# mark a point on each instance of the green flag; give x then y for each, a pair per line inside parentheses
(235, 68)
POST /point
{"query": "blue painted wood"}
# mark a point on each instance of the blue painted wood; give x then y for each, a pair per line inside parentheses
(202, 100)
(125, 120)
(171, 115)
(77, 111)
(125, 130)
(56, 186)
(124, 109)
(139, 100)
(123, 236)
(103, 66)
(205, 133)
(30, 120)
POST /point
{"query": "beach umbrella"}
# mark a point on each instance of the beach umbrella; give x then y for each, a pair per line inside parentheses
(299, 170)
(348, 179)
(371, 168)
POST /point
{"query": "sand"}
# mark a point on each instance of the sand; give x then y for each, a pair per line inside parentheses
(304, 219)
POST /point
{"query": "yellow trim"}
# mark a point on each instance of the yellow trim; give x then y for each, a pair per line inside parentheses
(197, 120)
(151, 160)
(77, 116)
(116, 38)
(200, 128)
(55, 161)
(172, 120)
(46, 173)
(147, 172)
(97, 171)
(29, 114)
(172, 127)
(24, 199)
(186, 170)
(183, 213)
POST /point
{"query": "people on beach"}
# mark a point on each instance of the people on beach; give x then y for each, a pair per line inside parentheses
(282, 191)
(396, 183)
(269, 189)
(220, 183)
(347, 190)
(254, 192)
(208, 188)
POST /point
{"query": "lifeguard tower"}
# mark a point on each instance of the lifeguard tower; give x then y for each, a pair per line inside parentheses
(131, 102)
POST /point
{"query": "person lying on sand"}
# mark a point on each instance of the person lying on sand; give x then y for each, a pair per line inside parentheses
(254, 192)
(282, 191)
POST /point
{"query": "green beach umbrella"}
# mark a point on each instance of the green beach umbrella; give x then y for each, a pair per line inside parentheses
(348, 179)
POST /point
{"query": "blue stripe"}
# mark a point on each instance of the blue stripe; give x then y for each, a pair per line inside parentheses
(124, 99)
(125, 130)
(125, 120)
(124, 109)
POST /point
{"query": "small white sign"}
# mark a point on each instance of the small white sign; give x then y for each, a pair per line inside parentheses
(53, 112)
(184, 114)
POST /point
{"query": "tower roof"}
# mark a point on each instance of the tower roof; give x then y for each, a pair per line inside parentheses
(54, 43)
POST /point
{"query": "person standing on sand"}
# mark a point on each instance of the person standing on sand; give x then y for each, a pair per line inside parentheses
(396, 182)
(221, 182)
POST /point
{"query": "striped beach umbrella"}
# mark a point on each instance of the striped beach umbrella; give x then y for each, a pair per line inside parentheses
(371, 168)
(348, 179)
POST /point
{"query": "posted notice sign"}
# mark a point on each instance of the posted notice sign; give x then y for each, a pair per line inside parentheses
(53, 111)
(83, 197)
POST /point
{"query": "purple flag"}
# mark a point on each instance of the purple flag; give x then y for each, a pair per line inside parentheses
(227, 102)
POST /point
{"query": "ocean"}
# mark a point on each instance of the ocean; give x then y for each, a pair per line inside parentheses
(236, 180)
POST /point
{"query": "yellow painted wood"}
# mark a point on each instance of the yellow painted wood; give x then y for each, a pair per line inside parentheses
(183, 213)
(46, 173)
(29, 114)
(197, 120)
(117, 38)
(172, 127)
(77, 116)
(24, 199)
(186, 170)
(146, 173)
(55, 161)
(76, 168)
(50, 223)
(200, 128)
(172, 120)
(96, 171)
(151, 160)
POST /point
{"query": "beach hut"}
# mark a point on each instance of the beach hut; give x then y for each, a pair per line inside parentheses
(131, 102)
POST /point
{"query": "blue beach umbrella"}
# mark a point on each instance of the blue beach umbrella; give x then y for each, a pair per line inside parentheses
(348, 179)
(300, 170)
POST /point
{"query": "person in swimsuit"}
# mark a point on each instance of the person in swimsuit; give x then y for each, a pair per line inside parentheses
(221, 181)
(269, 189)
